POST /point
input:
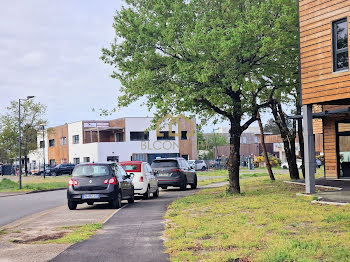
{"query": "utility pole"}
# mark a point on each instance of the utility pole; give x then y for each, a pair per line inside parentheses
(43, 128)
(20, 140)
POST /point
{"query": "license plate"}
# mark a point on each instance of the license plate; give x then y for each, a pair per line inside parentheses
(91, 196)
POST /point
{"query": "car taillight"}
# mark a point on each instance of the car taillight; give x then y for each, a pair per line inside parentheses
(106, 181)
(141, 179)
(72, 182)
(176, 170)
(113, 181)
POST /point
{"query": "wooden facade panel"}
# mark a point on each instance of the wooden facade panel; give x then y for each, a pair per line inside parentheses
(319, 82)
(58, 152)
(324, 11)
(314, 63)
(313, 52)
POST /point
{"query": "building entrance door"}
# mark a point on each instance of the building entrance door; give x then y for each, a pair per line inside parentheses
(343, 150)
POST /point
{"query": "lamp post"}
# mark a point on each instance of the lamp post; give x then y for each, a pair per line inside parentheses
(19, 140)
(43, 128)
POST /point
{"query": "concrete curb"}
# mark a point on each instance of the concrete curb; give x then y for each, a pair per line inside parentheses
(31, 192)
(318, 186)
(329, 203)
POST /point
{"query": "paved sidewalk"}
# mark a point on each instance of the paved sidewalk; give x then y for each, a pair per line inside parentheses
(134, 234)
(339, 193)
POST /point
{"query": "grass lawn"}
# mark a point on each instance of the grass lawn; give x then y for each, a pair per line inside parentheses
(268, 222)
(33, 183)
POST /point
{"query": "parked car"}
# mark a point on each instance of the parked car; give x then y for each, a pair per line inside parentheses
(99, 182)
(62, 169)
(300, 163)
(174, 172)
(192, 163)
(201, 165)
(143, 177)
(40, 171)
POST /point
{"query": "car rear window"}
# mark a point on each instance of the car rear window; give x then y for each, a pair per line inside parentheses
(91, 170)
(131, 167)
(164, 163)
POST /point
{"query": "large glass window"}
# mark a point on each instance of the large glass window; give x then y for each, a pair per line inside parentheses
(138, 136)
(340, 45)
(344, 149)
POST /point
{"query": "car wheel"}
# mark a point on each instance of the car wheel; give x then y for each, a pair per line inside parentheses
(194, 185)
(53, 174)
(132, 198)
(184, 184)
(284, 167)
(156, 194)
(203, 168)
(147, 195)
(72, 205)
(117, 203)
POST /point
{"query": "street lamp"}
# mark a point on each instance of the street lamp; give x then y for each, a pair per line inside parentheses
(19, 139)
(43, 128)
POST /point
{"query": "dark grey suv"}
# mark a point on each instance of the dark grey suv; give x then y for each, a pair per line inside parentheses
(174, 172)
(99, 182)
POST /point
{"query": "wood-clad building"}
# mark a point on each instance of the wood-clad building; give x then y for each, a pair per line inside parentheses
(325, 83)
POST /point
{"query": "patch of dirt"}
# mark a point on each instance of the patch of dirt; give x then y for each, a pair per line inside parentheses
(243, 259)
(40, 238)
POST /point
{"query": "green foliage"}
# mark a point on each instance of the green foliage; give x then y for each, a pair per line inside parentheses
(200, 56)
(31, 118)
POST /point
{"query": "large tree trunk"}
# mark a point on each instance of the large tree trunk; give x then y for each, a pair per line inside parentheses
(266, 157)
(287, 138)
(234, 158)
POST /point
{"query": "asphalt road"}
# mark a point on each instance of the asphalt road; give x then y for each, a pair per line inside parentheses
(16, 207)
(133, 234)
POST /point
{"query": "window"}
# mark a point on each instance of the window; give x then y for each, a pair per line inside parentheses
(63, 160)
(76, 139)
(42, 144)
(183, 135)
(256, 139)
(138, 136)
(118, 137)
(63, 140)
(76, 160)
(113, 158)
(185, 157)
(164, 135)
(86, 159)
(340, 45)
(52, 162)
(243, 140)
(51, 142)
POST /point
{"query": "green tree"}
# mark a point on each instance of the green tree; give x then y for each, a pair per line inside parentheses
(31, 118)
(209, 143)
(207, 57)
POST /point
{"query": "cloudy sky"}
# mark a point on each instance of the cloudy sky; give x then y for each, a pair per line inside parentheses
(51, 49)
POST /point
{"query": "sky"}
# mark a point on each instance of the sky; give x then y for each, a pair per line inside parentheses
(51, 49)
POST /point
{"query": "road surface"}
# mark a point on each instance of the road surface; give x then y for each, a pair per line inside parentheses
(16, 207)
